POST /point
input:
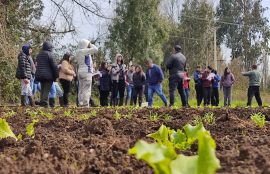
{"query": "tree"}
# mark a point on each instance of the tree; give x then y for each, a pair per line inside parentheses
(243, 28)
(137, 31)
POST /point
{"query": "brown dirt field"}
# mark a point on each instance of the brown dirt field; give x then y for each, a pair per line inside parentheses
(100, 144)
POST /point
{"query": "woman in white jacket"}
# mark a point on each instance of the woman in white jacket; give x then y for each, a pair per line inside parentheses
(85, 70)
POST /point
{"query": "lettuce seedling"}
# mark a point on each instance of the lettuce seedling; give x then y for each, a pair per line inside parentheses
(5, 130)
(258, 119)
(30, 129)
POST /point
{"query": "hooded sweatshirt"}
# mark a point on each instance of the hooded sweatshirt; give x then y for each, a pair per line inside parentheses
(24, 64)
(83, 57)
(47, 69)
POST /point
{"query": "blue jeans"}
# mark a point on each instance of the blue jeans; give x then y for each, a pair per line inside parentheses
(129, 90)
(55, 91)
(158, 89)
(187, 94)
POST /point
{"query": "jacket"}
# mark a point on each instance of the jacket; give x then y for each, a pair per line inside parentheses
(24, 67)
(254, 77)
(129, 77)
(66, 71)
(216, 81)
(206, 83)
(197, 78)
(104, 80)
(154, 75)
(83, 57)
(139, 79)
(186, 81)
(176, 64)
(47, 69)
(118, 72)
(227, 81)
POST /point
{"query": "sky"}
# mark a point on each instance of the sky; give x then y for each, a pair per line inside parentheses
(94, 26)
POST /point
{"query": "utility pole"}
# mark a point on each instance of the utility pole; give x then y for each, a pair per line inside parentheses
(215, 49)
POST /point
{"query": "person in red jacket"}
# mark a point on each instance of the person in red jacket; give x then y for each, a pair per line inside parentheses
(186, 85)
(207, 78)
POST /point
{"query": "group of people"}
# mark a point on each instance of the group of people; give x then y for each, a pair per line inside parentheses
(113, 80)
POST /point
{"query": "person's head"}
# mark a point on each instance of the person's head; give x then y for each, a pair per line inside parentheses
(138, 69)
(27, 49)
(104, 65)
(227, 71)
(132, 68)
(149, 63)
(67, 57)
(119, 59)
(209, 69)
(214, 71)
(47, 46)
(109, 67)
(198, 68)
(177, 49)
(254, 67)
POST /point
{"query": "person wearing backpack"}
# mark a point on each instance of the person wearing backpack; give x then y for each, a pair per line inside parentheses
(254, 85)
(227, 81)
(24, 74)
(138, 82)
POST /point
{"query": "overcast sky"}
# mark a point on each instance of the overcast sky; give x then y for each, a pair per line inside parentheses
(93, 26)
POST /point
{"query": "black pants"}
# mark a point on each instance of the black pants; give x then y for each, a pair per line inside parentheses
(137, 91)
(254, 90)
(206, 95)
(176, 82)
(118, 87)
(66, 85)
(199, 94)
(103, 97)
(44, 92)
(146, 92)
(215, 97)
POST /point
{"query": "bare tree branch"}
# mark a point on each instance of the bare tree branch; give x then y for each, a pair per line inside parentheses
(45, 30)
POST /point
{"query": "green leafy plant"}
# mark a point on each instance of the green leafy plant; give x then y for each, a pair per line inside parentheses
(197, 120)
(46, 114)
(153, 116)
(33, 114)
(19, 137)
(30, 129)
(167, 117)
(162, 155)
(5, 130)
(68, 113)
(209, 118)
(258, 119)
(128, 115)
(93, 113)
(9, 114)
(117, 115)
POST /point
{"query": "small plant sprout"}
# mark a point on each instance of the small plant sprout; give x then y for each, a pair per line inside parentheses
(128, 115)
(9, 114)
(31, 113)
(117, 115)
(258, 119)
(68, 113)
(5, 130)
(30, 129)
(209, 118)
(167, 117)
(153, 116)
(197, 120)
(93, 113)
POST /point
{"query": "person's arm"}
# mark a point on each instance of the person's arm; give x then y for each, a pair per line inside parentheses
(65, 68)
(54, 66)
(115, 70)
(143, 78)
(22, 67)
(233, 79)
(169, 63)
(92, 50)
(246, 73)
(217, 78)
(161, 75)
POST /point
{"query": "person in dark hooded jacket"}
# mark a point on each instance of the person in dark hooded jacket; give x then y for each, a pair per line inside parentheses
(46, 73)
(24, 74)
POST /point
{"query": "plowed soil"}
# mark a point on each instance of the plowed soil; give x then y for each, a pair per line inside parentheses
(67, 144)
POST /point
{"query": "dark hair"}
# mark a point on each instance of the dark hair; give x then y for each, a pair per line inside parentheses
(226, 72)
(198, 66)
(141, 71)
(66, 58)
(102, 65)
(209, 67)
(254, 66)
(177, 48)
(149, 61)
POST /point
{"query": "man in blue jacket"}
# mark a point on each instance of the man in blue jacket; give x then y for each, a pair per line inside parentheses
(154, 78)
(198, 85)
(215, 87)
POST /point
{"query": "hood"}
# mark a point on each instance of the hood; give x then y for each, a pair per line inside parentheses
(47, 46)
(26, 48)
(84, 43)
(117, 55)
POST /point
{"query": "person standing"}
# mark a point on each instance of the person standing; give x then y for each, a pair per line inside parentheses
(198, 85)
(24, 73)
(46, 73)
(254, 85)
(85, 70)
(215, 88)
(104, 84)
(138, 81)
(176, 65)
(227, 81)
(118, 80)
(129, 82)
(154, 78)
(207, 78)
(186, 85)
(66, 75)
